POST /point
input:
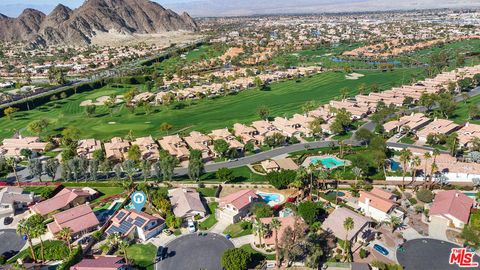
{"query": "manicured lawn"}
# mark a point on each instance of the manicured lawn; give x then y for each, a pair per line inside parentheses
(257, 257)
(143, 256)
(53, 250)
(235, 230)
(285, 98)
(211, 220)
(242, 174)
(107, 191)
(407, 140)
(461, 113)
(45, 192)
(207, 192)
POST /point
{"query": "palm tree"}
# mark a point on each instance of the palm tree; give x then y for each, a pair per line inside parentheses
(358, 173)
(260, 229)
(426, 156)
(275, 225)
(322, 175)
(38, 229)
(433, 169)
(12, 162)
(25, 228)
(394, 222)
(348, 225)
(405, 156)
(65, 235)
(116, 240)
(416, 161)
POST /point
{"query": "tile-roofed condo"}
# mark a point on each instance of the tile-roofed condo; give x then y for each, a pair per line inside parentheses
(101, 263)
(452, 206)
(438, 126)
(175, 146)
(135, 224)
(201, 142)
(79, 219)
(224, 134)
(334, 224)
(413, 122)
(148, 147)
(116, 149)
(64, 199)
(235, 206)
(468, 133)
(287, 127)
(186, 202)
(378, 204)
(12, 147)
(270, 165)
(87, 147)
(248, 134)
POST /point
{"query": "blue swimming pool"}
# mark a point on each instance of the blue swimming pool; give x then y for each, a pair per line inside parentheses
(329, 162)
(270, 197)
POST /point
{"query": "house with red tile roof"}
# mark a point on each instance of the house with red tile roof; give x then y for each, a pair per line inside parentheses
(79, 219)
(12, 147)
(63, 200)
(269, 238)
(438, 126)
(87, 147)
(138, 225)
(379, 204)
(451, 207)
(413, 122)
(101, 263)
(236, 206)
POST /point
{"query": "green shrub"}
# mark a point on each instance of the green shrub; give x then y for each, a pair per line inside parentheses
(363, 253)
(419, 209)
(246, 225)
(425, 195)
(281, 179)
(412, 201)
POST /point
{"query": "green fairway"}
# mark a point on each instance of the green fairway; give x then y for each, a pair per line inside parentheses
(461, 113)
(284, 99)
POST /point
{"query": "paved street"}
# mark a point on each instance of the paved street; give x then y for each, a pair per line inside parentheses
(10, 240)
(193, 252)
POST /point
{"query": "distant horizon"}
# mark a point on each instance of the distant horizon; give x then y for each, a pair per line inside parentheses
(220, 8)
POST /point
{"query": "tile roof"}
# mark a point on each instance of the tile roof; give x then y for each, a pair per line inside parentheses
(239, 199)
(334, 222)
(376, 201)
(127, 220)
(185, 200)
(454, 203)
(60, 200)
(78, 219)
(285, 222)
(100, 263)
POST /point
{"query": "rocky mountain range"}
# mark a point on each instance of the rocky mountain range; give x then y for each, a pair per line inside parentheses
(66, 26)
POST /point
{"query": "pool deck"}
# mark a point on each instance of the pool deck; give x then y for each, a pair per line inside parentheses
(308, 161)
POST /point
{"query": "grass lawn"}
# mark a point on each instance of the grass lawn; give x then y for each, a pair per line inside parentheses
(143, 256)
(235, 230)
(257, 257)
(242, 174)
(207, 192)
(284, 98)
(45, 192)
(107, 191)
(211, 220)
(407, 140)
(461, 113)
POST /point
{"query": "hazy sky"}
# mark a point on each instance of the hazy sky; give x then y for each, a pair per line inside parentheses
(249, 7)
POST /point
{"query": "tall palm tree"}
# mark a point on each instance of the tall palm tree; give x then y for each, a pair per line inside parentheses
(260, 229)
(427, 156)
(65, 235)
(38, 229)
(116, 240)
(433, 169)
(322, 174)
(416, 161)
(358, 173)
(275, 225)
(12, 162)
(405, 156)
(25, 228)
(348, 225)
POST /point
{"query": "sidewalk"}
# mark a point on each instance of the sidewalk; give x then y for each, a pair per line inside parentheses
(244, 240)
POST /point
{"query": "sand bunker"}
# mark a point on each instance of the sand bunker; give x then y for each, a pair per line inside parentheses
(101, 101)
(354, 76)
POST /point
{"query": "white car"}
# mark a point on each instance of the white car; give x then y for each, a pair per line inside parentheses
(191, 226)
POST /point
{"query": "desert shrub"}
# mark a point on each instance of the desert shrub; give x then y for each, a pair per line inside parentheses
(425, 195)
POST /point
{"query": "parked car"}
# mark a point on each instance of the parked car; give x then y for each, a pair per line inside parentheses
(7, 220)
(158, 257)
(380, 249)
(191, 226)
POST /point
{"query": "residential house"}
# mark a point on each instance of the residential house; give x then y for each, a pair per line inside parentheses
(236, 206)
(379, 204)
(132, 224)
(362, 226)
(438, 126)
(246, 133)
(175, 146)
(412, 122)
(224, 134)
(79, 219)
(285, 222)
(63, 200)
(451, 207)
(148, 147)
(286, 164)
(116, 149)
(468, 133)
(186, 202)
(270, 165)
(201, 142)
(101, 263)
(87, 147)
(14, 198)
(12, 147)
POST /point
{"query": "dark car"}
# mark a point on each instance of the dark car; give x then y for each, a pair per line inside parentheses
(164, 253)
(7, 220)
(159, 254)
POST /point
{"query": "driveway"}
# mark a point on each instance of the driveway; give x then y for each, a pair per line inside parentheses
(219, 227)
(10, 241)
(427, 254)
(193, 252)
(438, 228)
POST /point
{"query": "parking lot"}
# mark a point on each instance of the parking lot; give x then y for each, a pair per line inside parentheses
(193, 252)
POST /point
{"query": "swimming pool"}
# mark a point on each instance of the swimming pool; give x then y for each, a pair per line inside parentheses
(271, 198)
(329, 162)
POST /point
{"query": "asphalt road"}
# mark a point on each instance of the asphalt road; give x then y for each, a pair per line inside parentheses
(193, 252)
(10, 240)
(428, 254)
